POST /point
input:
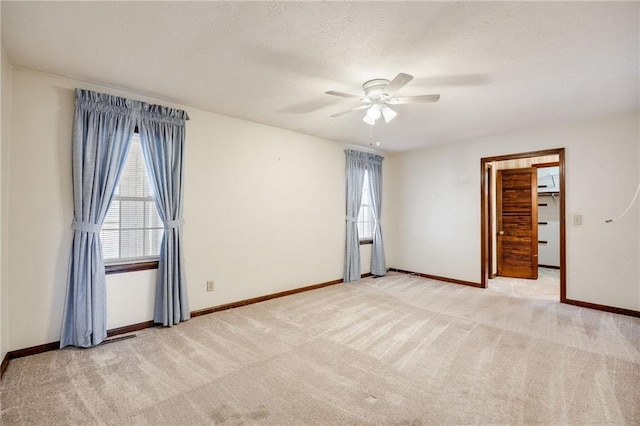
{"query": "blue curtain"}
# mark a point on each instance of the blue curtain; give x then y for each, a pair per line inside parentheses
(162, 132)
(102, 133)
(101, 138)
(378, 263)
(355, 168)
(357, 163)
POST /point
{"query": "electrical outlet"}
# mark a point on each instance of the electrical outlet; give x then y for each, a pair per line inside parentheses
(210, 285)
(577, 219)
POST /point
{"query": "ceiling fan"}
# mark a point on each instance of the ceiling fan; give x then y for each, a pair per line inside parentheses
(379, 95)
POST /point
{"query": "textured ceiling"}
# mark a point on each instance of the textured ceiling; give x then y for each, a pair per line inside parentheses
(498, 66)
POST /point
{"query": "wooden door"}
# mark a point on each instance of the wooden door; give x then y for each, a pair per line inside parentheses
(517, 217)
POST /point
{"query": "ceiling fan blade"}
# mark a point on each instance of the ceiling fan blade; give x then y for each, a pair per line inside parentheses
(351, 110)
(398, 83)
(342, 94)
(414, 99)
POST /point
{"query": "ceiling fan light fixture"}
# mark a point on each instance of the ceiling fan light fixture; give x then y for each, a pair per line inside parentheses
(374, 112)
(370, 121)
(388, 113)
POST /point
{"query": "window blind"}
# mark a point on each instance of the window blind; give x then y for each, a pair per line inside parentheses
(365, 215)
(132, 229)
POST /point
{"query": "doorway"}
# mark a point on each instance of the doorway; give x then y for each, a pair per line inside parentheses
(489, 229)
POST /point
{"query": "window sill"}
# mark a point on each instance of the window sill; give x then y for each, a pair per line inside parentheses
(119, 268)
(364, 242)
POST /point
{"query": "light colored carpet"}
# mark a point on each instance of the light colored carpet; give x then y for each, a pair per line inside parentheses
(547, 286)
(399, 350)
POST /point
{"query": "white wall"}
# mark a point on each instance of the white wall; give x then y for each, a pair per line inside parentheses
(264, 211)
(438, 224)
(437, 219)
(5, 95)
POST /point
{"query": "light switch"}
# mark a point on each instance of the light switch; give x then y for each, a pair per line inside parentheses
(577, 219)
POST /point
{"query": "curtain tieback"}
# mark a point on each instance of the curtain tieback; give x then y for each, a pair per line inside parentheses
(351, 219)
(173, 223)
(86, 227)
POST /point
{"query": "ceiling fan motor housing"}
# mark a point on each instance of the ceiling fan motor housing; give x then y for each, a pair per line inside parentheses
(374, 89)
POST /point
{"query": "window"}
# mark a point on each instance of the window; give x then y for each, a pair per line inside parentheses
(365, 215)
(132, 230)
